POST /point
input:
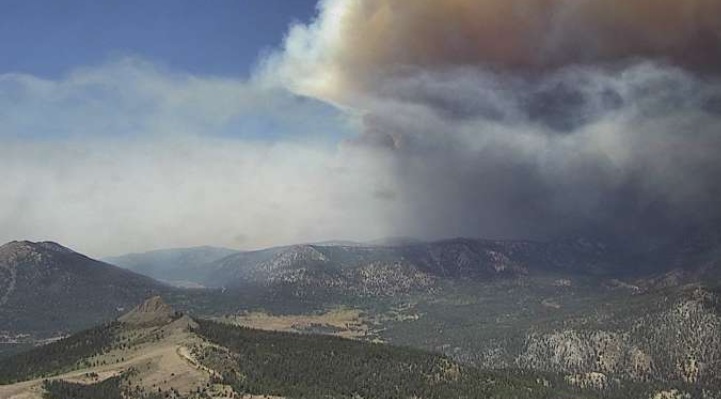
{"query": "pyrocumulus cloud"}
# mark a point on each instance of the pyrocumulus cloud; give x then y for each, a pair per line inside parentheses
(517, 118)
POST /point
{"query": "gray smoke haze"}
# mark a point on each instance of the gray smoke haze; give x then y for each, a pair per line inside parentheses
(126, 157)
(526, 118)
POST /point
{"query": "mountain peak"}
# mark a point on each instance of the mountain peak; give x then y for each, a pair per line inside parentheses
(37, 246)
(153, 312)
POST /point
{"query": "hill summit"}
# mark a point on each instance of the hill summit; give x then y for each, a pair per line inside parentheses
(48, 290)
(153, 312)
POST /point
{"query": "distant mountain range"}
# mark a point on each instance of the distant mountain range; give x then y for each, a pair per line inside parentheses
(346, 265)
(42, 280)
(176, 266)
(386, 268)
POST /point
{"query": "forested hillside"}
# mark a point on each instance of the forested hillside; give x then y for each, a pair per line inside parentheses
(310, 366)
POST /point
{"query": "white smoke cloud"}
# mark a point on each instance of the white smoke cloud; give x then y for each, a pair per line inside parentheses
(128, 157)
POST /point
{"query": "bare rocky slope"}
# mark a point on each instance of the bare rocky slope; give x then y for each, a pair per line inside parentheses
(678, 341)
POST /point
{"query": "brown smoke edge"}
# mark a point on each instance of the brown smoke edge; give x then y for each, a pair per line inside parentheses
(526, 34)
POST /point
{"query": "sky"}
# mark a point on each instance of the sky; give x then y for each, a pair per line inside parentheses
(219, 37)
(129, 126)
(135, 125)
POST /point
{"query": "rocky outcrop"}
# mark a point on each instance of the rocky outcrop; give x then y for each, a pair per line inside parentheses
(681, 343)
(152, 312)
(572, 351)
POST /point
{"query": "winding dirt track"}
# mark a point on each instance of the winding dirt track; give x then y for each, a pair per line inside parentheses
(165, 359)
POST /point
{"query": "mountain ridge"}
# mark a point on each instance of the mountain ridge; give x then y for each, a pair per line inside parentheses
(458, 258)
(44, 281)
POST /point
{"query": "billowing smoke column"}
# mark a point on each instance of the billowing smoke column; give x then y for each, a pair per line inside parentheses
(527, 118)
(355, 42)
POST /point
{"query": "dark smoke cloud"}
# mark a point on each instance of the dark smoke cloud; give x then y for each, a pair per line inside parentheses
(629, 151)
(518, 118)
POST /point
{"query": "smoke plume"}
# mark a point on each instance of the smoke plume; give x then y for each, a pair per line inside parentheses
(354, 43)
(518, 118)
